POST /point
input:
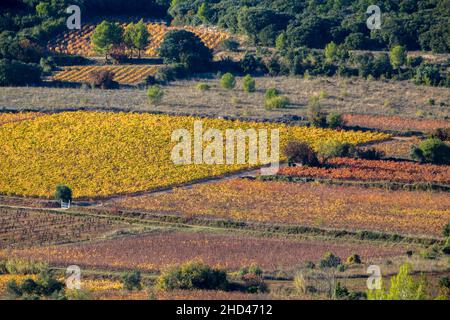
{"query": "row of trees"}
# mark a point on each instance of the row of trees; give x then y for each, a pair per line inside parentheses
(111, 39)
(413, 24)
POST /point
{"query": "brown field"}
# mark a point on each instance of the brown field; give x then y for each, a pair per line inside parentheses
(399, 148)
(182, 97)
(124, 74)
(21, 227)
(159, 250)
(337, 207)
(395, 123)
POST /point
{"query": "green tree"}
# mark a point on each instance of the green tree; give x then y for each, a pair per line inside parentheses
(397, 56)
(128, 34)
(281, 42)
(181, 46)
(403, 287)
(249, 83)
(140, 37)
(228, 81)
(63, 193)
(330, 52)
(155, 94)
(106, 35)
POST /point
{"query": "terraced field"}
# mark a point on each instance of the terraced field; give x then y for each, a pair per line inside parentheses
(78, 42)
(124, 74)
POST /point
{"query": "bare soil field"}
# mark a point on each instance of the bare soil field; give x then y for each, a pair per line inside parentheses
(159, 250)
(354, 96)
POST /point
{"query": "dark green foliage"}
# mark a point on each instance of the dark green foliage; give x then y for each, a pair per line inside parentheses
(63, 193)
(427, 74)
(335, 121)
(132, 280)
(181, 46)
(330, 261)
(45, 285)
(354, 259)
(230, 44)
(369, 153)
(301, 153)
(193, 275)
(446, 231)
(16, 73)
(431, 151)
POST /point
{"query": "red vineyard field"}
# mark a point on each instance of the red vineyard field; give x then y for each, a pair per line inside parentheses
(374, 170)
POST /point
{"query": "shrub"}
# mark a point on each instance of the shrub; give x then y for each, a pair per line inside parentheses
(192, 275)
(271, 93)
(132, 280)
(203, 87)
(446, 231)
(403, 287)
(354, 259)
(229, 44)
(249, 83)
(369, 153)
(103, 79)
(442, 134)
(181, 46)
(254, 283)
(316, 116)
(16, 73)
(431, 151)
(45, 285)
(341, 292)
(252, 269)
(335, 121)
(330, 261)
(63, 193)
(155, 94)
(278, 102)
(228, 81)
(446, 248)
(333, 149)
(300, 152)
(300, 284)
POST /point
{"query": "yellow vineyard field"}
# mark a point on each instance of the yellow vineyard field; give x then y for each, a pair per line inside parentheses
(103, 153)
(125, 74)
(78, 42)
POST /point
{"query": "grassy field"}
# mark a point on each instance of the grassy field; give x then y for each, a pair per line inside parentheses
(182, 97)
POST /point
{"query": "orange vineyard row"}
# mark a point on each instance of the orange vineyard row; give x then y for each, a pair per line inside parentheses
(318, 205)
(125, 74)
(78, 42)
(374, 170)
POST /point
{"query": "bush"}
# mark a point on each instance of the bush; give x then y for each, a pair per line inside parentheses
(335, 121)
(271, 93)
(446, 248)
(330, 261)
(203, 87)
(155, 94)
(316, 117)
(103, 79)
(354, 259)
(341, 292)
(333, 149)
(63, 193)
(442, 134)
(192, 275)
(301, 153)
(132, 280)
(249, 83)
(446, 231)
(253, 269)
(229, 44)
(431, 151)
(369, 154)
(228, 81)
(181, 46)
(278, 102)
(16, 73)
(45, 285)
